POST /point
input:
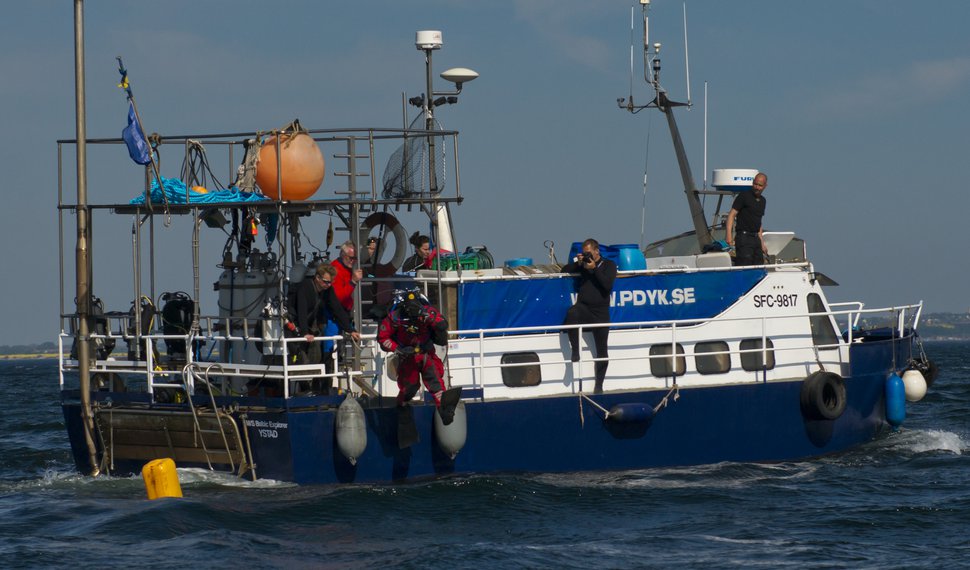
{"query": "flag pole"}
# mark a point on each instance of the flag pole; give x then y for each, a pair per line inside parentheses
(151, 152)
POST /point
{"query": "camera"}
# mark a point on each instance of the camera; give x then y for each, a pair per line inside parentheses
(587, 257)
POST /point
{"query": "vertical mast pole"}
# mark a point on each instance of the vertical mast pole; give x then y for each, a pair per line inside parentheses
(83, 292)
(429, 125)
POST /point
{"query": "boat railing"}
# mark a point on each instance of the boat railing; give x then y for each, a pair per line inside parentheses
(455, 276)
(902, 318)
(143, 356)
(158, 371)
(286, 376)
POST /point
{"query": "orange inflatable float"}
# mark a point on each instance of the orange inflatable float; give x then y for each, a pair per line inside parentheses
(301, 171)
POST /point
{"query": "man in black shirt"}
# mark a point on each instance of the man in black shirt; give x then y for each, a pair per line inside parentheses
(313, 303)
(748, 209)
(596, 276)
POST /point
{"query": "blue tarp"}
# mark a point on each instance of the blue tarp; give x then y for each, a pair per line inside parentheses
(175, 192)
(543, 302)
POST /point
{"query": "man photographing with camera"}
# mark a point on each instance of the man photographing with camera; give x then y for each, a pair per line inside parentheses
(596, 277)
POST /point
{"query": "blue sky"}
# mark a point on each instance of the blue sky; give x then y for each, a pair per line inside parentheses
(855, 109)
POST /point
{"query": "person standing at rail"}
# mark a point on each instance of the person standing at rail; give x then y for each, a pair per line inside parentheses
(596, 277)
(748, 209)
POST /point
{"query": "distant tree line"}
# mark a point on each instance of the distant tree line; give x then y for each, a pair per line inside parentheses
(42, 348)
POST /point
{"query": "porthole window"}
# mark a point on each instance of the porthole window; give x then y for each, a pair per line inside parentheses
(752, 361)
(663, 367)
(712, 357)
(521, 376)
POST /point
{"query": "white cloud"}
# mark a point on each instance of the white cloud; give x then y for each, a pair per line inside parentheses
(557, 22)
(884, 93)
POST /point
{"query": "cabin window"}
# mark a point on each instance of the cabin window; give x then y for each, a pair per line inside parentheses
(708, 361)
(752, 361)
(660, 366)
(823, 333)
(521, 376)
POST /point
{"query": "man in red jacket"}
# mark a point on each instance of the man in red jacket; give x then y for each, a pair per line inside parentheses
(348, 277)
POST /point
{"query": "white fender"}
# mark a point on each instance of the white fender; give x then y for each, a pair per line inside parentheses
(451, 438)
(351, 429)
(915, 385)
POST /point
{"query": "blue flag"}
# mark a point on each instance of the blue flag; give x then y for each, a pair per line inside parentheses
(138, 147)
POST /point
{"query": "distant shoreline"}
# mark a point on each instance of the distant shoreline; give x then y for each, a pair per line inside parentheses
(37, 356)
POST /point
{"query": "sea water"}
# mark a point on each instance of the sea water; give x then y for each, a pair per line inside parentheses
(902, 501)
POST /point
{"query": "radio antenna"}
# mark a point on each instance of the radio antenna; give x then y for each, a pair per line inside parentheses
(632, 14)
(645, 7)
(705, 135)
(687, 58)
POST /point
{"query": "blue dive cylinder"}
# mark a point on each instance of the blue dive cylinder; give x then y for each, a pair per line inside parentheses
(630, 413)
(895, 400)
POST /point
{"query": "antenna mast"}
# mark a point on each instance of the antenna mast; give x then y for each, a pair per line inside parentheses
(662, 103)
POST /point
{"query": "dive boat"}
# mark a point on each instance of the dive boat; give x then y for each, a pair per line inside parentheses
(709, 362)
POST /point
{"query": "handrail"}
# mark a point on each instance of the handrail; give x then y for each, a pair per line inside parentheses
(287, 373)
(470, 276)
(669, 322)
(480, 335)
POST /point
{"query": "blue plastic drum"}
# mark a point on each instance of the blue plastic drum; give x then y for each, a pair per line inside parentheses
(629, 257)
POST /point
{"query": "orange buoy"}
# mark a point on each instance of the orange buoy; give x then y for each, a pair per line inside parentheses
(301, 171)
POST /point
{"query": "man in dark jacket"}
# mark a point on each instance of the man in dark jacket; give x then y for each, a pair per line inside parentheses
(313, 304)
(596, 277)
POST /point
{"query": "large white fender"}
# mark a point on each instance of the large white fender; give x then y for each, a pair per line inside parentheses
(915, 385)
(451, 438)
(351, 429)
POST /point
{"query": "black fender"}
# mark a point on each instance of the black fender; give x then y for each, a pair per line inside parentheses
(928, 369)
(823, 396)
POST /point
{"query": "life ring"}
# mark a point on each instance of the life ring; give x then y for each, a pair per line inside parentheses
(823, 396)
(390, 225)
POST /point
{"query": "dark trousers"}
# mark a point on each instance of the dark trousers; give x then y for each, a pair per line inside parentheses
(580, 314)
(312, 353)
(748, 247)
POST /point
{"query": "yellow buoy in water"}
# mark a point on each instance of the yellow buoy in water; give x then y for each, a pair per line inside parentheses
(301, 170)
(161, 480)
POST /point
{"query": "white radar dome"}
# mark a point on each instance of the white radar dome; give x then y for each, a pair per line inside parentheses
(733, 179)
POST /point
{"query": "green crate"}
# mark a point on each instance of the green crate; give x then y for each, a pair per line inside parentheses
(449, 262)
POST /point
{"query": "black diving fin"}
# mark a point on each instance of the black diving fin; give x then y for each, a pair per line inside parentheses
(407, 431)
(449, 401)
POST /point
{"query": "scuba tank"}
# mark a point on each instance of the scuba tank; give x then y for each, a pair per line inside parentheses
(102, 346)
(177, 313)
(147, 315)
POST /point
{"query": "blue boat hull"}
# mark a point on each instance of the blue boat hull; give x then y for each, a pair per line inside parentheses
(747, 423)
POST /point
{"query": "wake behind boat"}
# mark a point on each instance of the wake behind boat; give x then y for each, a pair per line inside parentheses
(708, 361)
